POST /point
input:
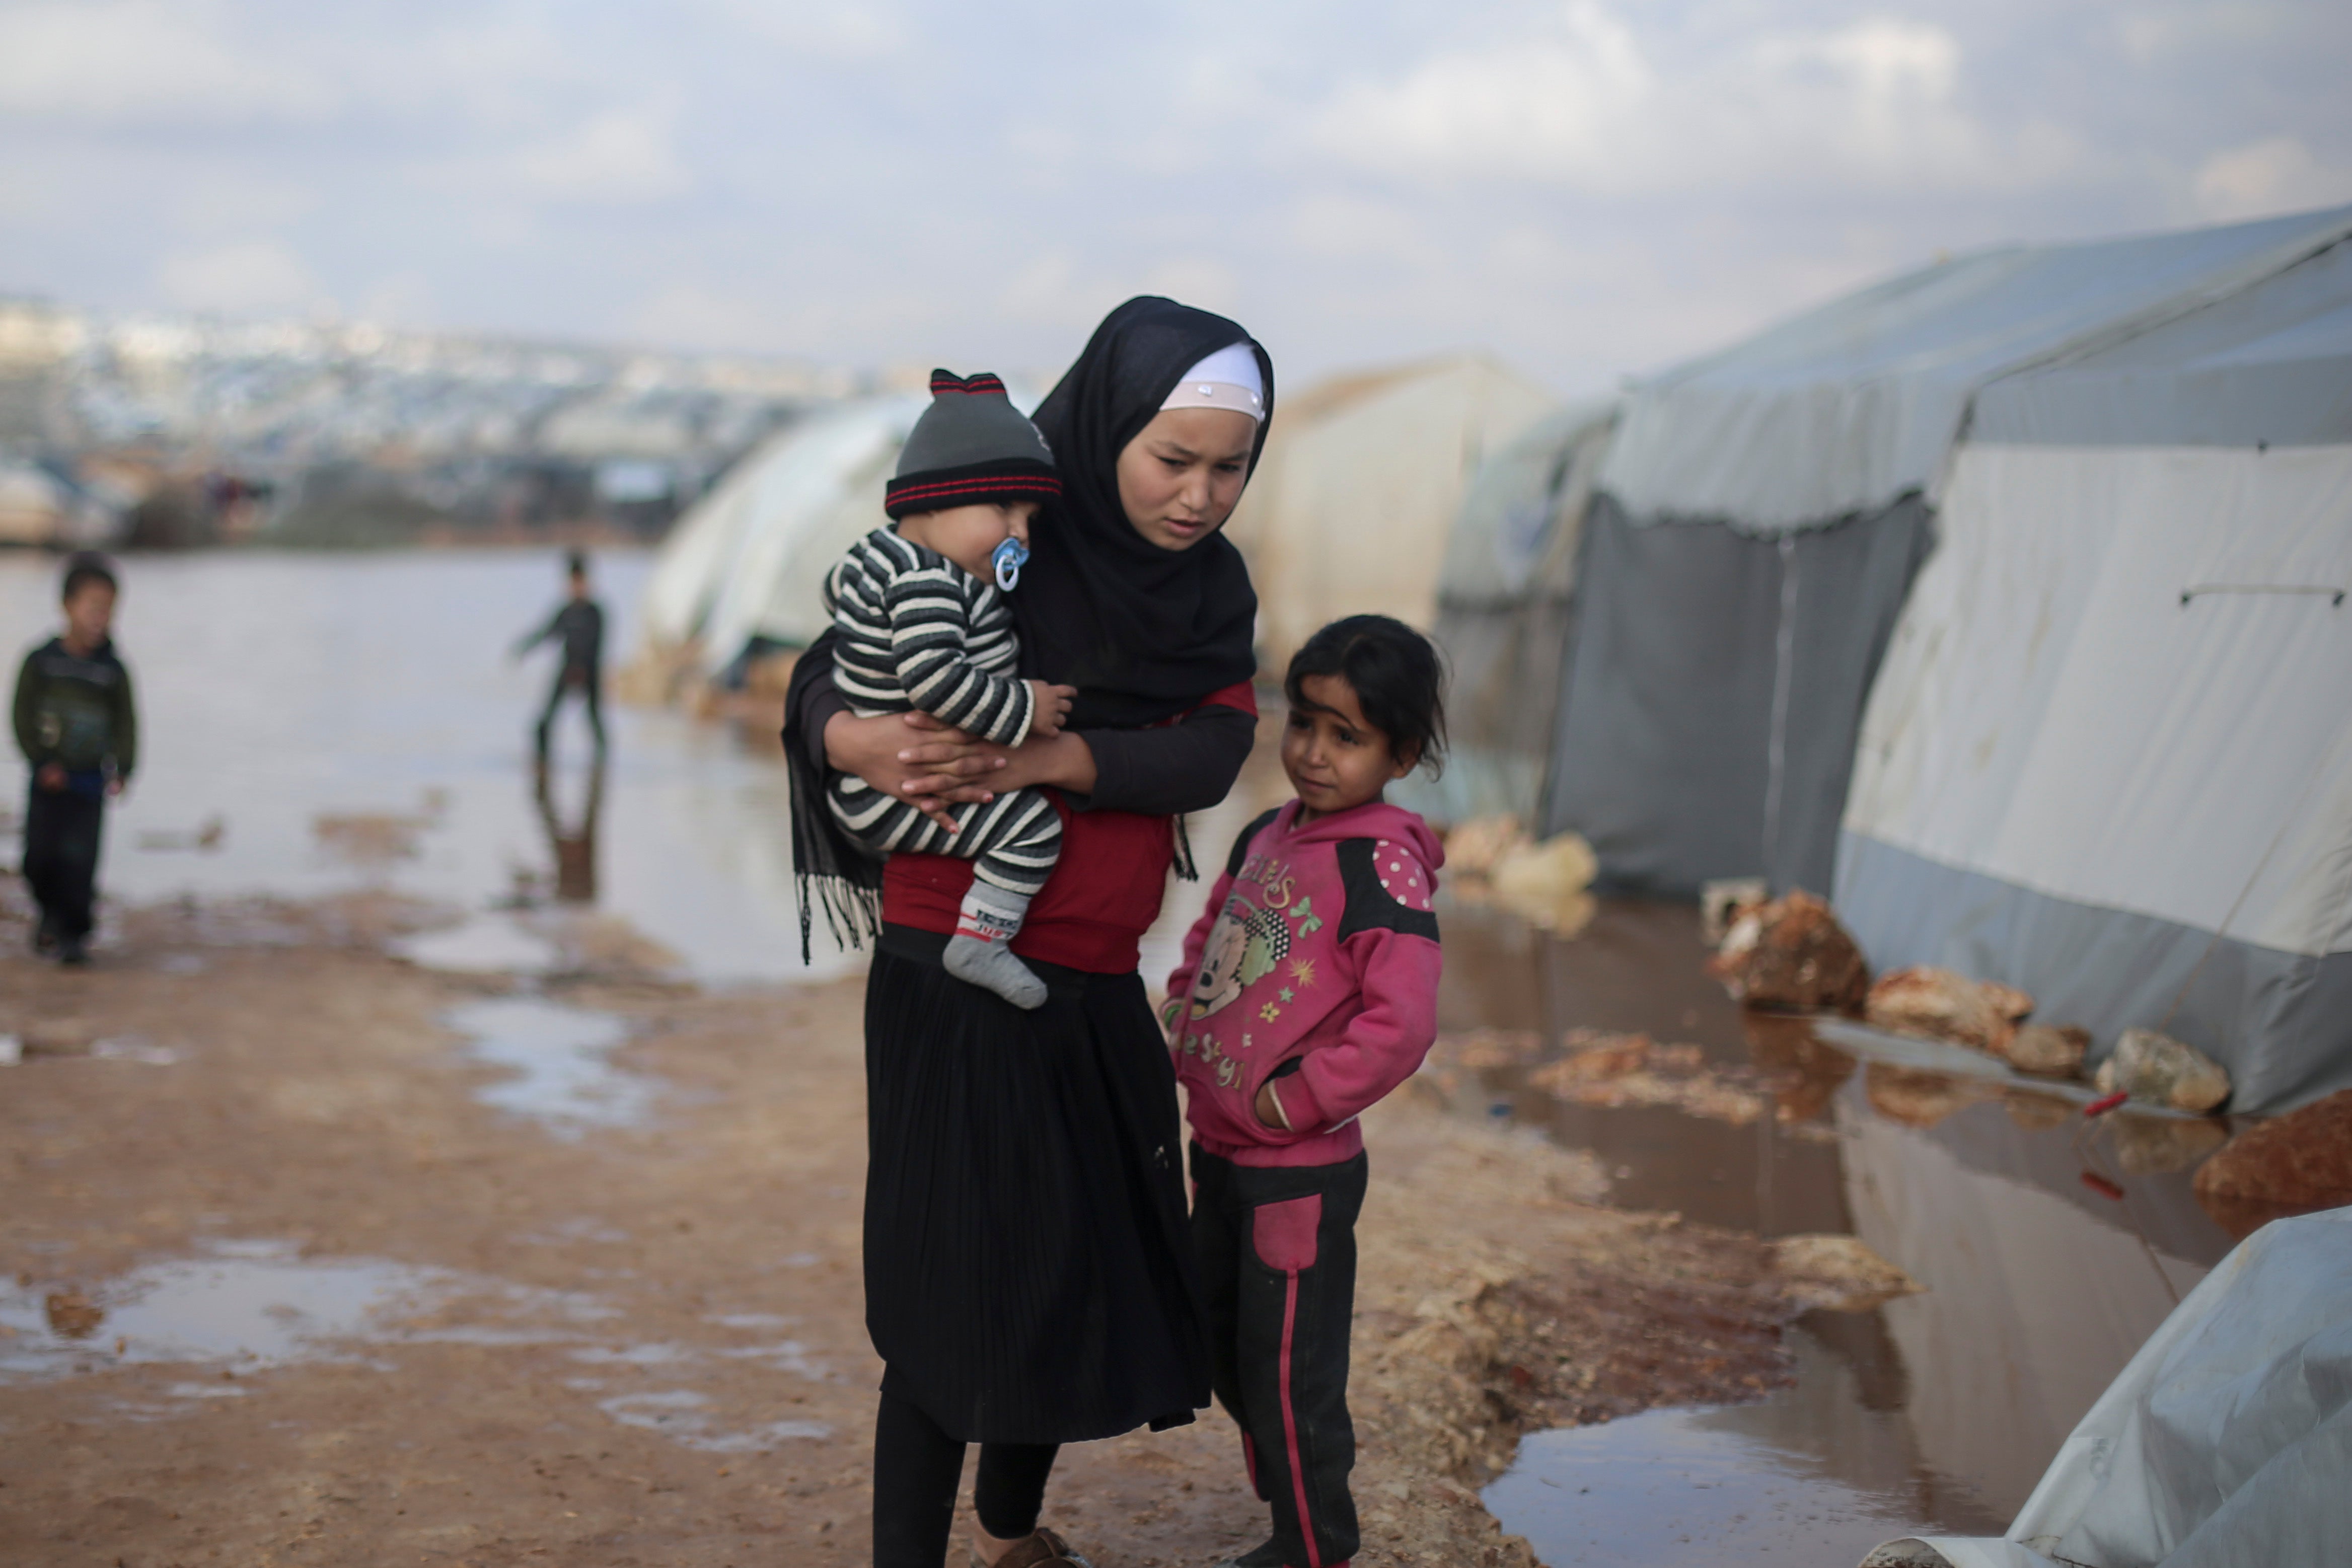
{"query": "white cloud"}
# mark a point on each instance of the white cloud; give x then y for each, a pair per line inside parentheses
(136, 61)
(2276, 174)
(1334, 225)
(619, 156)
(827, 31)
(250, 277)
(1202, 280)
(1584, 104)
(1551, 106)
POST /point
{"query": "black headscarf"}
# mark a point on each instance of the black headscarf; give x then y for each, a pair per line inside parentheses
(1143, 632)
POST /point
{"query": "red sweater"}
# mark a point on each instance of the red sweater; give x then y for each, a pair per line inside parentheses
(1320, 949)
(1103, 895)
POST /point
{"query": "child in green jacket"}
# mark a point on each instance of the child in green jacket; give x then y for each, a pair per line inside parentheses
(79, 731)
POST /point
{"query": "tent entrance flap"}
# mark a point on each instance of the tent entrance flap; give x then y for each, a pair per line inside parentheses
(1716, 689)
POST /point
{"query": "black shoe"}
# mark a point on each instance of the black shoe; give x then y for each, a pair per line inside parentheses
(45, 938)
(1261, 1555)
(72, 952)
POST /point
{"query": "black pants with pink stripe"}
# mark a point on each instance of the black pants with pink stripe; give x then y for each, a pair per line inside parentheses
(1278, 1253)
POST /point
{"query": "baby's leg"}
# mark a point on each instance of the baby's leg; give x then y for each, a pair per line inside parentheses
(1013, 843)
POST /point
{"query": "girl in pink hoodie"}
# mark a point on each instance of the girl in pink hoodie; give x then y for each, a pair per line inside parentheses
(1308, 991)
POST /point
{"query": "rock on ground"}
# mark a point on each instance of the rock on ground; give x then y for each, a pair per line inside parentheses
(2052, 1051)
(1792, 952)
(2163, 1071)
(1839, 1274)
(1939, 1004)
(1478, 846)
(2304, 1158)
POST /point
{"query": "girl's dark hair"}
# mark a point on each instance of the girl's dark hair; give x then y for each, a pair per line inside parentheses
(1398, 679)
(87, 565)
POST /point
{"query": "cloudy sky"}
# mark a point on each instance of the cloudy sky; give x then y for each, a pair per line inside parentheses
(1586, 187)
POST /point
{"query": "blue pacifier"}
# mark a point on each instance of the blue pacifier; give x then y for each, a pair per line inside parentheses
(1009, 559)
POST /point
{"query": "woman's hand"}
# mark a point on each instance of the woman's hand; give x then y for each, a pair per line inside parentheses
(916, 758)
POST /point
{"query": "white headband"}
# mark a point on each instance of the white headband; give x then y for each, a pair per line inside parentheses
(1227, 379)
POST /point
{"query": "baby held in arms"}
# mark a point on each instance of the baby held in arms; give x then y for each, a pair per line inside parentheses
(925, 627)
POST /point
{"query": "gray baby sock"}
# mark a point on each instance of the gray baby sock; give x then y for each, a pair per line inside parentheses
(981, 951)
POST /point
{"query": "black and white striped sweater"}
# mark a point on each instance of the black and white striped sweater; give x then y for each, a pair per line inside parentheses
(919, 632)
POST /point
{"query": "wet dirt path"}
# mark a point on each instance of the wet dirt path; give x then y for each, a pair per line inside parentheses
(298, 1269)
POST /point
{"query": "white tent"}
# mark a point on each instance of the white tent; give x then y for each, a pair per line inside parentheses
(2226, 1441)
(747, 562)
(2109, 757)
(1359, 483)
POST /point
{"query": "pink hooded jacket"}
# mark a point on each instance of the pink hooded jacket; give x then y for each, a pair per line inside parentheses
(1318, 945)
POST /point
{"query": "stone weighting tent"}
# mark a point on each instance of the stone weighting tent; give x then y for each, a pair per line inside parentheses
(1760, 516)
(2109, 756)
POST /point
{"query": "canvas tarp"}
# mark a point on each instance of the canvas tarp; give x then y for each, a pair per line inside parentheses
(1361, 479)
(1717, 685)
(1846, 409)
(2227, 1439)
(2109, 759)
(1505, 592)
(1761, 512)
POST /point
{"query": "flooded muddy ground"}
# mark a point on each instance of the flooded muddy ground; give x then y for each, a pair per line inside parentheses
(313, 724)
(2047, 1249)
(446, 1161)
(339, 1259)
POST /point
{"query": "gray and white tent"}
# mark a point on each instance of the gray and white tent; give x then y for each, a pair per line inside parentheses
(2137, 806)
(1506, 602)
(1761, 513)
(2109, 757)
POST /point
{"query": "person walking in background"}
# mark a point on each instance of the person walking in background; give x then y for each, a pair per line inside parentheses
(79, 729)
(578, 625)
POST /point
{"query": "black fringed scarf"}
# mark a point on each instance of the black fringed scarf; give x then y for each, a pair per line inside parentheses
(1143, 632)
(830, 868)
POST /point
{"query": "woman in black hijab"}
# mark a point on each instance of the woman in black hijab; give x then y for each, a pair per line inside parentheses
(1027, 1270)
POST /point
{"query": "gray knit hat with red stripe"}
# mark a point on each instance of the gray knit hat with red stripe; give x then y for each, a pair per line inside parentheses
(971, 445)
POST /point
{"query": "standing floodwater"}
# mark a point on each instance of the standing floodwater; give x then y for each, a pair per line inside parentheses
(2047, 1249)
(331, 721)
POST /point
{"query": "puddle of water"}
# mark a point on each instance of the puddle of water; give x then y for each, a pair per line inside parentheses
(353, 721)
(2049, 1250)
(560, 1062)
(253, 1304)
(1685, 1488)
(633, 1356)
(481, 945)
(248, 1307)
(678, 1414)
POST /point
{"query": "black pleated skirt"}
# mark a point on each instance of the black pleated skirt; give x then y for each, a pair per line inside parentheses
(1028, 1277)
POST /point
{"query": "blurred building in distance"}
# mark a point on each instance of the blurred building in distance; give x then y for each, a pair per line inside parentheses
(180, 430)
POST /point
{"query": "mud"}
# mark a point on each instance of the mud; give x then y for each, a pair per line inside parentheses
(2029, 1252)
(370, 1262)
